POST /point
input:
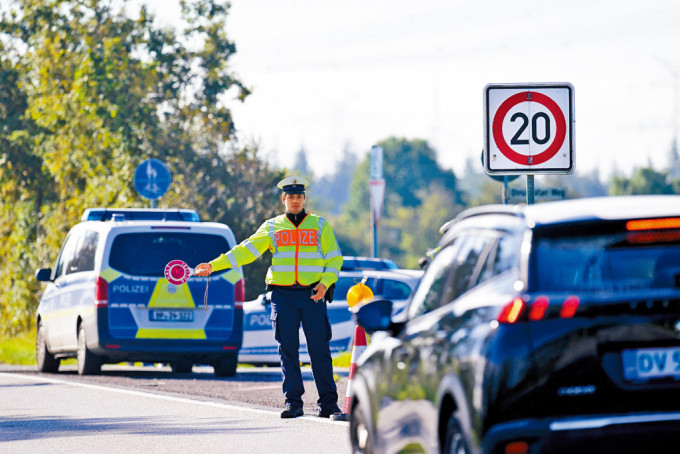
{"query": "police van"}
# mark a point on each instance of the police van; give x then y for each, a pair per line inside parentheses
(108, 301)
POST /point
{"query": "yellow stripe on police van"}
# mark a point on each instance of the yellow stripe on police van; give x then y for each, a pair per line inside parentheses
(170, 333)
(166, 294)
(110, 275)
(233, 276)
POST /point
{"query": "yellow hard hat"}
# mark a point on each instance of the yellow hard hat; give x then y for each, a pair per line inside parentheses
(358, 294)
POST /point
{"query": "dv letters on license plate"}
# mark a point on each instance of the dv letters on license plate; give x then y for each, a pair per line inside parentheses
(649, 363)
(171, 316)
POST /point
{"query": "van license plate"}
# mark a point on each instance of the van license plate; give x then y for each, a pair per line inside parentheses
(171, 316)
(650, 363)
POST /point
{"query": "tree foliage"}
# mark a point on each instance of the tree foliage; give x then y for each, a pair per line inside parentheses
(419, 197)
(645, 180)
(86, 94)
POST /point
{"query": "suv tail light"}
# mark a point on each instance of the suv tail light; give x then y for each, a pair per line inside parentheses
(569, 307)
(520, 310)
(512, 311)
(239, 294)
(101, 292)
(539, 308)
(653, 224)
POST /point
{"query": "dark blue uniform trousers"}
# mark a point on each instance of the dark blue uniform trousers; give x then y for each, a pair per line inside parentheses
(290, 307)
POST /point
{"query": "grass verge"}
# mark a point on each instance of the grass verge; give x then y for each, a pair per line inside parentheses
(19, 349)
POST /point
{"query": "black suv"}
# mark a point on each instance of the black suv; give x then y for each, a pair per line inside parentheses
(536, 329)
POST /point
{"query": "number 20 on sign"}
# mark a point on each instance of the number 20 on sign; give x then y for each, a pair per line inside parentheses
(529, 128)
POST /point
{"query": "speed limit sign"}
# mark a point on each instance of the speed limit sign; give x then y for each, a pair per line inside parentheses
(528, 128)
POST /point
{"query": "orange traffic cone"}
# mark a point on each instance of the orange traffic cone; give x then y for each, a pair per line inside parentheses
(357, 350)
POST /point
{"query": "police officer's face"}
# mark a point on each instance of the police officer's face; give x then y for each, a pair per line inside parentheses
(294, 203)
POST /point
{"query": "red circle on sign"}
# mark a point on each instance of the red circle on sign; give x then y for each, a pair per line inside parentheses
(560, 133)
(177, 272)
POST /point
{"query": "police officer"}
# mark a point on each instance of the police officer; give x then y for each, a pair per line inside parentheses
(306, 261)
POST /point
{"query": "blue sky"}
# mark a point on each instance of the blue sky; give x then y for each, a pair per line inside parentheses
(326, 75)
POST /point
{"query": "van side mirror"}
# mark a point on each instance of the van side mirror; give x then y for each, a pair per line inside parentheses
(44, 274)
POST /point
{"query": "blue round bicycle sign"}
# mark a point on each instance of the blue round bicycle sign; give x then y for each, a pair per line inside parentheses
(152, 179)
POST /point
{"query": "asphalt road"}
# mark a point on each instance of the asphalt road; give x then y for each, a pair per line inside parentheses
(149, 409)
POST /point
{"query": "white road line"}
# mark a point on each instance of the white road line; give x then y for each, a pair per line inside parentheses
(168, 398)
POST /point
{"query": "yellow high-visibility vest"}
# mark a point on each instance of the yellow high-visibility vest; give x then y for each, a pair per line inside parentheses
(304, 254)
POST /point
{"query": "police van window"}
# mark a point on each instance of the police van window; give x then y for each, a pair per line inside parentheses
(83, 259)
(395, 290)
(427, 296)
(66, 255)
(342, 287)
(146, 254)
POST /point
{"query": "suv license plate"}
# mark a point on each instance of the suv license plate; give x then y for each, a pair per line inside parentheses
(650, 363)
(171, 316)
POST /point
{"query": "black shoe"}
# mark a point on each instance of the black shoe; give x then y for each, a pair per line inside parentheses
(324, 413)
(291, 412)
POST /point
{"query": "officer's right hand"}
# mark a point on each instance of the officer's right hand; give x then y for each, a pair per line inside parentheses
(204, 269)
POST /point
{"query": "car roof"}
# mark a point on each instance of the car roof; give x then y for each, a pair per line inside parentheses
(573, 210)
(398, 274)
(178, 226)
(351, 262)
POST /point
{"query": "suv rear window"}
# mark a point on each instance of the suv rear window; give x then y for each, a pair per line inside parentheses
(606, 259)
(146, 254)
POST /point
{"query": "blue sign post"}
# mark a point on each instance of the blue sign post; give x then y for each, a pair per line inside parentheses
(152, 180)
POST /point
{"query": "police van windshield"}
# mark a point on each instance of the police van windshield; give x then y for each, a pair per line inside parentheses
(146, 254)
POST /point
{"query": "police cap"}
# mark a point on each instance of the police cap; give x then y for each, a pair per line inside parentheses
(293, 185)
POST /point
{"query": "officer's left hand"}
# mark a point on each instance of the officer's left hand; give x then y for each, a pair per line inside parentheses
(320, 290)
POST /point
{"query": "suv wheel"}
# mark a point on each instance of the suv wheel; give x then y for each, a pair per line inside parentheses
(46, 360)
(454, 443)
(359, 434)
(88, 362)
(225, 366)
(181, 367)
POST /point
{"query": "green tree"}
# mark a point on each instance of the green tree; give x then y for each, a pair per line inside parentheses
(645, 180)
(409, 166)
(86, 94)
(411, 218)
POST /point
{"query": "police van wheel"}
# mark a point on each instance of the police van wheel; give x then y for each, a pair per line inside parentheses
(46, 360)
(225, 366)
(181, 367)
(88, 362)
